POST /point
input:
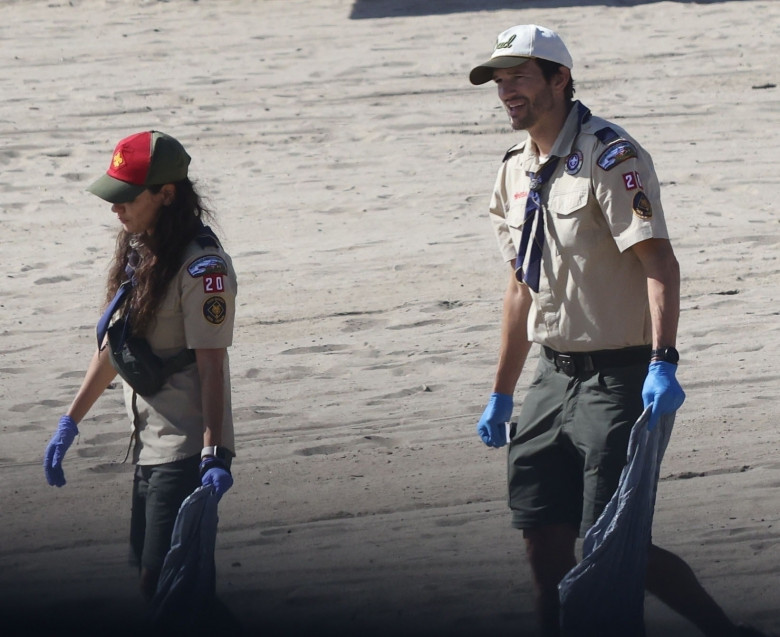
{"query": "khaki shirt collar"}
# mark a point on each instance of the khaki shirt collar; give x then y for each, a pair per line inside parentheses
(564, 145)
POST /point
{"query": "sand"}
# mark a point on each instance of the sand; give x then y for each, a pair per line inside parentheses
(350, 162)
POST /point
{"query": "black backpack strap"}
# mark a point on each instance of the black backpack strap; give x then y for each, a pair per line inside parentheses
(178, 362)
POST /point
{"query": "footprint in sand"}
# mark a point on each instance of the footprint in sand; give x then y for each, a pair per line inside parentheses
(364, 441)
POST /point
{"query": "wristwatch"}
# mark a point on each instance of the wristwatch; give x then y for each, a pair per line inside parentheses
(214, 451)
(666, 354)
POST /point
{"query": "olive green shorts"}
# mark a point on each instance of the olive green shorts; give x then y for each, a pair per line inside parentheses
(569, 447)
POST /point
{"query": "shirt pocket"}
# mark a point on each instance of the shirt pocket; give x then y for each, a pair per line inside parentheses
(515, 217)
(166, 335)
(568, 214)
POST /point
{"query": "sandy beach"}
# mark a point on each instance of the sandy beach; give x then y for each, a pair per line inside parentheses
(350, 163)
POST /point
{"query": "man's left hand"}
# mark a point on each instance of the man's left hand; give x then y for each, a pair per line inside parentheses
(662, 391)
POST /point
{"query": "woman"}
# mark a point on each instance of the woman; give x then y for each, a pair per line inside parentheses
(166, 330)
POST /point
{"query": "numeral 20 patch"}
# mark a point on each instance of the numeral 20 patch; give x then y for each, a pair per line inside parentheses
(632, 180)
(213, 283)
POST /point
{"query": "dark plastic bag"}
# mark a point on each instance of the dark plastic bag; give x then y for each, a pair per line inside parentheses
(604, 595)
(186, 588)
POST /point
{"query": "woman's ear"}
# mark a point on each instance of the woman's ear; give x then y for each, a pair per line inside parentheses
(168, 192)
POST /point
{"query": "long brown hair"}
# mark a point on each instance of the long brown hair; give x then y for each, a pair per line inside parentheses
(160, 253)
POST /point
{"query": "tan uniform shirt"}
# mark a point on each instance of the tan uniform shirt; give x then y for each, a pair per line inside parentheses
(198, 311)
(603, 198)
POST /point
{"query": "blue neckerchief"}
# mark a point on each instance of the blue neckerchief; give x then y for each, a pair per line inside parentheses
(529, 259)
(119, 298)
(528, 264)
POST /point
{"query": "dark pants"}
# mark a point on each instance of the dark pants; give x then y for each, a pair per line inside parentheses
(158, 491)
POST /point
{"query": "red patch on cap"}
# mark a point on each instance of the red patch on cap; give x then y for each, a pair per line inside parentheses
(131, 159)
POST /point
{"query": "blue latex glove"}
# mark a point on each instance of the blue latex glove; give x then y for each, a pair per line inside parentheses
(492, 427)
(214, 473)
(55, 451)
(662, 391)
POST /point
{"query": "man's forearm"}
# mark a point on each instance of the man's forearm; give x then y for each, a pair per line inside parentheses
(514, 336)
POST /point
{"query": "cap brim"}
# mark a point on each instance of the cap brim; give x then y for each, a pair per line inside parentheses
(484, 72)
(114, 190)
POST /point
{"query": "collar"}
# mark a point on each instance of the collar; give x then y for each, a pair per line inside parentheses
(578, 115)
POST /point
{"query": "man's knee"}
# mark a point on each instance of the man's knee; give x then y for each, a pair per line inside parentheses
(550, 553)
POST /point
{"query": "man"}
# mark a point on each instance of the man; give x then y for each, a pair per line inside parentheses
(594, 280)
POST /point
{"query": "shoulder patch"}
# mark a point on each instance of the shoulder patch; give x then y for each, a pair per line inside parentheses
(607, 135)
(215, 310)
(616, 153)
(642, 207)
(210, 264)
(207, 239)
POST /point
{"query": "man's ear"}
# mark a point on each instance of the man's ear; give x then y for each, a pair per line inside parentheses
(561, 78)
(168, 192)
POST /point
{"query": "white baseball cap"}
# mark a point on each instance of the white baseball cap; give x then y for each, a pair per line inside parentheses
(518, 45)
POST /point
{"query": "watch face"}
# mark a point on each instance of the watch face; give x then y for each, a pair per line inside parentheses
(671, 355)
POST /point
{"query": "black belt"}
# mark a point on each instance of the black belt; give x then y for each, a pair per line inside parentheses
(576, 363)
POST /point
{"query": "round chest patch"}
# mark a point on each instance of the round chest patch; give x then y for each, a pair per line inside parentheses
(574, 163)
(642, 207)
(215, 309)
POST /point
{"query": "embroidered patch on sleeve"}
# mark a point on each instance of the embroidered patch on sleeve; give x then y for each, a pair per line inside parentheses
(616, 153)
(632, 180)
(210, 264)
(213, 283)
(215, 310)
(642, 207)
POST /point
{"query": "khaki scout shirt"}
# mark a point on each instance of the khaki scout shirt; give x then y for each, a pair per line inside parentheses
(592, 289)
(198, 311)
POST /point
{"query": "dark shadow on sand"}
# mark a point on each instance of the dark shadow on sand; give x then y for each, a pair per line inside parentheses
(111, 618)
(364, 9)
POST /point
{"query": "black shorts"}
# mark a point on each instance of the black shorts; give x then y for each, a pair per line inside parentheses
(569, 447)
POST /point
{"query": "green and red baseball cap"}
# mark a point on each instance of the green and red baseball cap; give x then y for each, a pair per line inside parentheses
(145, 159)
